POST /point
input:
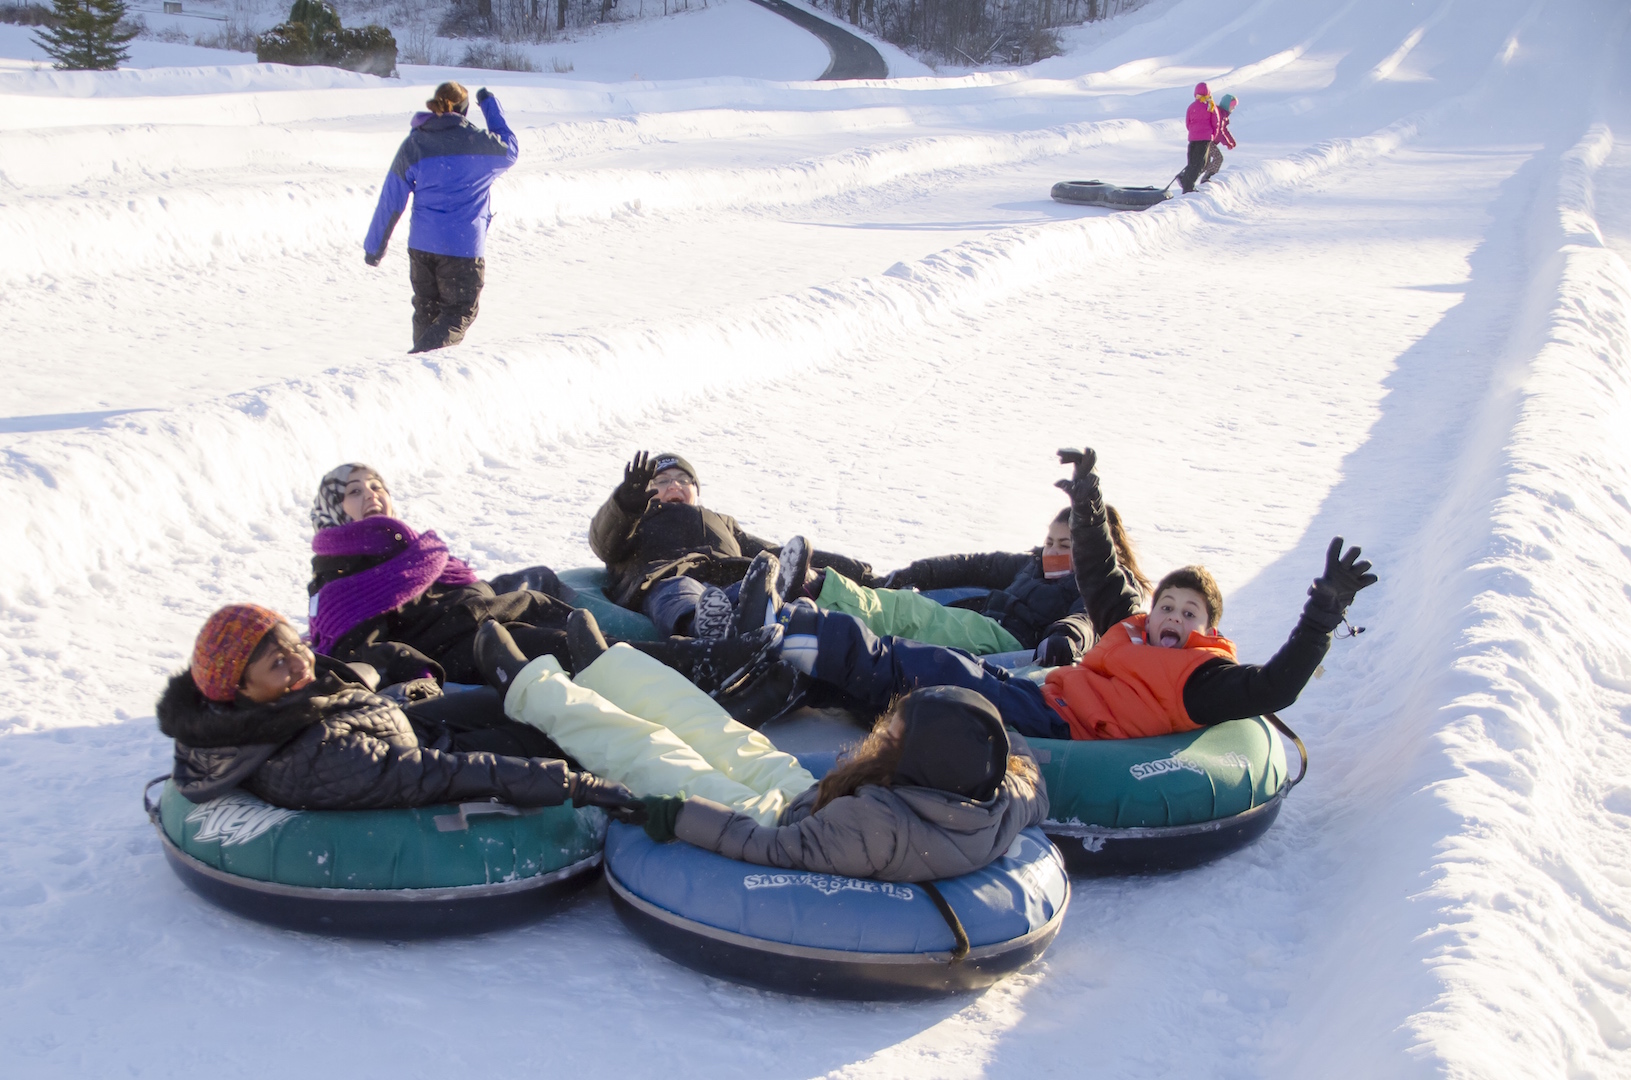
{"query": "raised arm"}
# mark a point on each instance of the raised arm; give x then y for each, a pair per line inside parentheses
(612, 530)
(1109, 593)
(1220, 690)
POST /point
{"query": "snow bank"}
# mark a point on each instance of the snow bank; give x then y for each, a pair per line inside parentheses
(1537, 728)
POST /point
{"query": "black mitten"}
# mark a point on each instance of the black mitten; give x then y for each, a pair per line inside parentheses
(633, 493)
(1055, 651)
(1334, 590)
(1083, 485)
(620, 804)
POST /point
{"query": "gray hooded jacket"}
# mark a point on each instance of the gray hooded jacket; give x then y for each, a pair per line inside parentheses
(894, 833)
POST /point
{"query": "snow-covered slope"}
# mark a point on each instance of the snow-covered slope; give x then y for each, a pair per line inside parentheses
(1402, 313)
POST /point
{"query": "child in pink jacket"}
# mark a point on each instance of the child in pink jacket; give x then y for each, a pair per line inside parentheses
(1202, 121)
(1225, 141)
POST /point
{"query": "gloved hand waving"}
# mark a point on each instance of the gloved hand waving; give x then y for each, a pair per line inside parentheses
(620, 804)
(1332, 592)
(633, 493)
(1083, 485)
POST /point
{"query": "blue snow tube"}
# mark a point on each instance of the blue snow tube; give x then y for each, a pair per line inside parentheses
(830, 936)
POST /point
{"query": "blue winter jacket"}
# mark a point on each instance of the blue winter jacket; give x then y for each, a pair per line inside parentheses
(447, 164)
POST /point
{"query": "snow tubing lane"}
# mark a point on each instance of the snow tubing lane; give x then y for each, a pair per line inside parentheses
(1166, 803)
(587, 588)
(422, 872)
(823, 935)
(1097, 193)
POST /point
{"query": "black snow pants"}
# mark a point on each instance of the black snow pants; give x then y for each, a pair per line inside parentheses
(1197, 162)
(446, 291)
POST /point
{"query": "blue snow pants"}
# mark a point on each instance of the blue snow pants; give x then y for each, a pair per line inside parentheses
(673, 600)
(875, 669)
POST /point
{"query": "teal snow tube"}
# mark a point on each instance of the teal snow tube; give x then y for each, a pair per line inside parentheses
(586, 588)
(379, 873)
(1165, 803)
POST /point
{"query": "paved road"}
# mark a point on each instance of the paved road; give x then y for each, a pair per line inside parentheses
(852, 57)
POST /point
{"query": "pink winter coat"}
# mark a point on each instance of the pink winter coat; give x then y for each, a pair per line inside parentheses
(1202, 121)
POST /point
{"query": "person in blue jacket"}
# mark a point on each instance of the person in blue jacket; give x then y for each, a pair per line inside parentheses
(448, 165)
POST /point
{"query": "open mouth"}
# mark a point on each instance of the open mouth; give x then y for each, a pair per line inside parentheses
(1169, 639)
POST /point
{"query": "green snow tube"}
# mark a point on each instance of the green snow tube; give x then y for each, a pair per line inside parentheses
(587, 589)
(1120, 805)
(378, 873)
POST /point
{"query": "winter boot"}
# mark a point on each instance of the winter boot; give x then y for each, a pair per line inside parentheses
(757, 701)
(801, 623)
(724, 664)
(498, 658)
(759, 599)
(795, 570)
(583, 638)
(715, 617)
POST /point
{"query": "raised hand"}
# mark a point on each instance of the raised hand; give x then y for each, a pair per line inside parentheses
(633, 493)
(1083, 485)
(1345, 574)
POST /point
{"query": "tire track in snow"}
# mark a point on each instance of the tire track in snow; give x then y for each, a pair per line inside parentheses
(75, 235)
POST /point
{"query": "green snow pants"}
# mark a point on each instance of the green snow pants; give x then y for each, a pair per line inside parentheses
(628, 718)
(907, 614)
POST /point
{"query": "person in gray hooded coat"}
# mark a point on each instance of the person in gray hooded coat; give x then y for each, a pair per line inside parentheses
(938, 789)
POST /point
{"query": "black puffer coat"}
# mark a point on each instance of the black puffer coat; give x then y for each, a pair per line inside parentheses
(664, 540)
(441, 622)
(336, 745)
(1026, 604)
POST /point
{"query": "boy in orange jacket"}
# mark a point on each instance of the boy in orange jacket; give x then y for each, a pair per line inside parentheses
(1149, 674)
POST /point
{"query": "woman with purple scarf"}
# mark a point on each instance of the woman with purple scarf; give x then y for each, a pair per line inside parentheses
(378, 585)
(376, 580)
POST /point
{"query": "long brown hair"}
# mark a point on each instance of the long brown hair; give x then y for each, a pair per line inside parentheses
(874, 760)
(1124, 550)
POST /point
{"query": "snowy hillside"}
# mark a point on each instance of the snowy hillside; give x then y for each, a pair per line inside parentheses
(1402, 314)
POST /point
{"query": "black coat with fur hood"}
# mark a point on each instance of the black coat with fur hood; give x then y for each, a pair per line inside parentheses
(335, 745)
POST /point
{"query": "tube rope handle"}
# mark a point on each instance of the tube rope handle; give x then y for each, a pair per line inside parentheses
(150, 806)
(1301, 749)
(960, 949)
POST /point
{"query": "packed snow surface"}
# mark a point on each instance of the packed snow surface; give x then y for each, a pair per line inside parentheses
(1401, 314)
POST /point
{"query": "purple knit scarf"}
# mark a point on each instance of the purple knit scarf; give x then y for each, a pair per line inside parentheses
(417, 562)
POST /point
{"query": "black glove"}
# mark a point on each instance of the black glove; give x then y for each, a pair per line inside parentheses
(662, 813)
(482, 95)
(586, 789)
(1083, 485)
(371, 259)
(1055, 651)
(634, 492)
(1334, 590)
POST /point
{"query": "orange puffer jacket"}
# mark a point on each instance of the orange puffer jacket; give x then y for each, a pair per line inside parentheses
(1125, 688)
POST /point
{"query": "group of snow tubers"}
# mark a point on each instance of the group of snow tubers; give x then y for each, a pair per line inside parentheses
(442, 753)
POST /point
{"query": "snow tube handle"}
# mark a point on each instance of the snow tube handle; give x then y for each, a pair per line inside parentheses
(148, 804)
(1301, 749)
(960, 949)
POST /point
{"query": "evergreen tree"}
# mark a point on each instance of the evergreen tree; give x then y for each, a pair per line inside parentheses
(84, 35)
